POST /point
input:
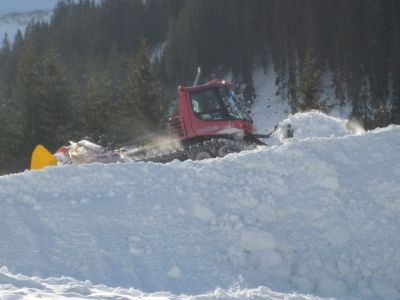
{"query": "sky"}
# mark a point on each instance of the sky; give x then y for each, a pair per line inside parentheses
(8, 6)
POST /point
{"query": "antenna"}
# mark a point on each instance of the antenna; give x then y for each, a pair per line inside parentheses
(196, 81)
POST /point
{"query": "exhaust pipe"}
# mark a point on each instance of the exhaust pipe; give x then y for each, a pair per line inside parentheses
(196, 81)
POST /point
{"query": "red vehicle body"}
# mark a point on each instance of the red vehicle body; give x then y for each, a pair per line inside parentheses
(212, 122)
(225, 117)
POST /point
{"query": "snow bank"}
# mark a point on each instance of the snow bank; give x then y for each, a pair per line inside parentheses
(18, 286)
(315, 124)
(312, 124)
(317, 216)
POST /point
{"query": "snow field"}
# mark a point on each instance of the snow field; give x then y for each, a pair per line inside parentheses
(315, 216)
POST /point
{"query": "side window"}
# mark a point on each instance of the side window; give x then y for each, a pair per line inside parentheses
(206, 106)
(195, 105)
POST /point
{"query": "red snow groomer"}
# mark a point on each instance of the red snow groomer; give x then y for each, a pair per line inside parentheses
(212, 122)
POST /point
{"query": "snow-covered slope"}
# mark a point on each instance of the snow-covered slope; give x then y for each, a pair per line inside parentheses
(17, 14)
(9, 6)
(270, 107)
(12, 22)
(316, 215)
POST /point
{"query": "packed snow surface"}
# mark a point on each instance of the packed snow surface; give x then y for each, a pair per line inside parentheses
(315, 215)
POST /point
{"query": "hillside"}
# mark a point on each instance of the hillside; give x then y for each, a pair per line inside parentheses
(330, 56)
(10, 23)
(315, 215)
(18, 6)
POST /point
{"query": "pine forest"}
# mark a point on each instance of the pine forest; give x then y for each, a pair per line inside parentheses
(109, 70)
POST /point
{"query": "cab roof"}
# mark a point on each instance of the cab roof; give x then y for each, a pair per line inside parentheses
(211, 84)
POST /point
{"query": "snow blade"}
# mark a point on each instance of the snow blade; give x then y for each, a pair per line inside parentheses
(42, 158)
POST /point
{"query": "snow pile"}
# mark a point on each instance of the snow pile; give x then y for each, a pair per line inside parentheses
(18, 286)
(313, 124)
(318, 216)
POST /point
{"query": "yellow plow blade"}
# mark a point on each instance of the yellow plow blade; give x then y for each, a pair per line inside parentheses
(42, 158)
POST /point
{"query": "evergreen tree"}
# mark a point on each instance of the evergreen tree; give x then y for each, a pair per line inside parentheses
(95, 106)
(4, 155)
(5, 66)
(18, 47)
(143, 91)
(55, 110)
(183, 42)
(130, 121)
(27, 99)
(12, 139)
(171, 53)
(310, 88)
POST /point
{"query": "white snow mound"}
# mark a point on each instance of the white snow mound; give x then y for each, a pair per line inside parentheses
(314, 124)
(316, 216)
(18, 286)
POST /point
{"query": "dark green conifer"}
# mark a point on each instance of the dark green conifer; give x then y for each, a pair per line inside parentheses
(310, 87)
(27, 97)
(143, 91)
(95, 105)
(55, 109)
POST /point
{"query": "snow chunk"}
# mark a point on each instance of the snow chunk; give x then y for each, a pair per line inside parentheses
(175, 272)
(253, 240)
(337, 236)
(134, 245)
(385, 290)
(328, 286)
(203, 213)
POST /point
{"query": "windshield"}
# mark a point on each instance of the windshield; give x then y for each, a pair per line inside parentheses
(218, 104)
(234, 106)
